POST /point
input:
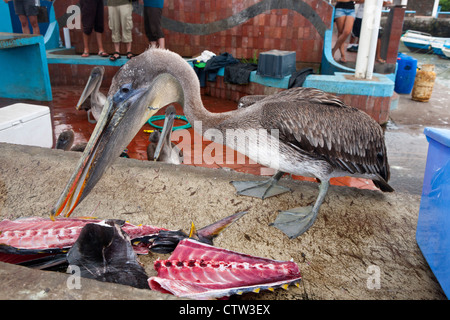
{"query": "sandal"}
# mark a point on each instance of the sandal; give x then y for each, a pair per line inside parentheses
(85, 55)
(130, 55)
(114, 56)
(103, 54)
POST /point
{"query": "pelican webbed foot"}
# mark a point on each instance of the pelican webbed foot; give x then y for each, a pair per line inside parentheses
(294, 222)
(258, 189)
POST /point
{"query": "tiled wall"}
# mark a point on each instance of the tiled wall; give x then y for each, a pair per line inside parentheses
(240, 27)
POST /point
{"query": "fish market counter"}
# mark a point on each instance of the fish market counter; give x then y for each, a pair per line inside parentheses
(362, 245)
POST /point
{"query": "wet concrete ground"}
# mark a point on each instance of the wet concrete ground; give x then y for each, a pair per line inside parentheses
(406, 143)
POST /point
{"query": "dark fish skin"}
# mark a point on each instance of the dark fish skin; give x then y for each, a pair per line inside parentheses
(104, 252)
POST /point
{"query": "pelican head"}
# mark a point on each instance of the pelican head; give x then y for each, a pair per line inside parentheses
(135, 95)
(65, 140)
(94, 82)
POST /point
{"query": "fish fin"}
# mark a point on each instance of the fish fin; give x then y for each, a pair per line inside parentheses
(208, 233)
(193, 231)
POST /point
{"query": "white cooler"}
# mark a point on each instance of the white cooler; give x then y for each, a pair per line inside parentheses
(26, 124)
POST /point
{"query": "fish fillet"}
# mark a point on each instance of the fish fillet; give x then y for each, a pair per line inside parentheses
(200, 271)
(36, 233)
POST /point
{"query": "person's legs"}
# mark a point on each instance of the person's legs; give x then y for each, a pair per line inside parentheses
(345, 34)
(126, 21)
(34, 24)
(340, 22)
(24, 23)
(344, 25)
(87, 21)
(86, 45)
(114, 25)
(162, 43)
(98, 27)
(153, 29)
(101, 50)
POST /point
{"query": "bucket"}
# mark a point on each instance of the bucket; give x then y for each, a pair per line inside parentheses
(406, 73)
(423, 85)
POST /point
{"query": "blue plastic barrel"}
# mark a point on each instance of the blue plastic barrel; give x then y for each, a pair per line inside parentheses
(406, 73)
(433, 225)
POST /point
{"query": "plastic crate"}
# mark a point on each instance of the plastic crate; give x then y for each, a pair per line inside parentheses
(276, 63)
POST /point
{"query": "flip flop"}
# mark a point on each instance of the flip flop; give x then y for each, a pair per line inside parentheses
(103, 54)
(85, 55)
(130, 55)
(382, 61)
(114, 56)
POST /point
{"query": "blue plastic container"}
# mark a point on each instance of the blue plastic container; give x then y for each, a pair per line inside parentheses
(406, 73)
(433, 225)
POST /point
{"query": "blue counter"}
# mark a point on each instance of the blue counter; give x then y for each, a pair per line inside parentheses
(23, 63)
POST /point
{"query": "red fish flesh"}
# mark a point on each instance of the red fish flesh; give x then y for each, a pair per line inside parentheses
(44, 234)
(200, 271)
(28, 240)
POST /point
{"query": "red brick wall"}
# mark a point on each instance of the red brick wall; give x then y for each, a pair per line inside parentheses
(283, 29)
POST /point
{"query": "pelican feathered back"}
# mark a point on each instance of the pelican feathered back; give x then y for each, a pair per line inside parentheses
(321, 125)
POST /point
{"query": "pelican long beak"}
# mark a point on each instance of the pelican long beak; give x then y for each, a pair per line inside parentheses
(90, 86)
(123, 115)
(165, 134)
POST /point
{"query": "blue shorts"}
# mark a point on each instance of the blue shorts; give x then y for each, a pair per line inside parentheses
(339, 12)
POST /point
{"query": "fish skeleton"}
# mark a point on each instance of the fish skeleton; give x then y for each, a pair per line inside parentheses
(200, 271)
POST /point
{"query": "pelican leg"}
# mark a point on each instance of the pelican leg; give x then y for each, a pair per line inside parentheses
(90, 120)
(258, 189)
(296, 221)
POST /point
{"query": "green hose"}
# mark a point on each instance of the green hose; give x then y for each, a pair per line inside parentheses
(177, 117)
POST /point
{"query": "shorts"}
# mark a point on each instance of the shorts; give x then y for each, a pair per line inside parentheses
(339, 12)
(152, 22)
(92, 16)
(120, 22)
(356, 31)
(26, 7)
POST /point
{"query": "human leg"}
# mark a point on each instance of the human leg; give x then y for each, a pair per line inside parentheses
(126, 22)
(87, 22)
(34, 24)
(24, 23)
(98, 26)
(344, 25)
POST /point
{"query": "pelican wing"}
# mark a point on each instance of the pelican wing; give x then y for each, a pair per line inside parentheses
(321, 125)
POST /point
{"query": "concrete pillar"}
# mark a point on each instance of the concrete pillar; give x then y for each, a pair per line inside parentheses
(365, 59)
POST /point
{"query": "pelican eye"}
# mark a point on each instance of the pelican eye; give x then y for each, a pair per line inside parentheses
(123, 93)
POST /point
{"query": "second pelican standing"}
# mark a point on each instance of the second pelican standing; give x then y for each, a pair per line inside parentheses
(308, 132)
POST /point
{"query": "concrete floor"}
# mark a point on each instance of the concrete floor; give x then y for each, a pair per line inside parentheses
(356, 229)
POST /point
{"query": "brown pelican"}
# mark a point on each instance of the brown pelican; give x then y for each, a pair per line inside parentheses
(301, 131)
(160, 147)
(92, 89)
(65, 142)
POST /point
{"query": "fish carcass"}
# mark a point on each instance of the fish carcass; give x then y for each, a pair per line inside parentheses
(199, 271)
(27, 239)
